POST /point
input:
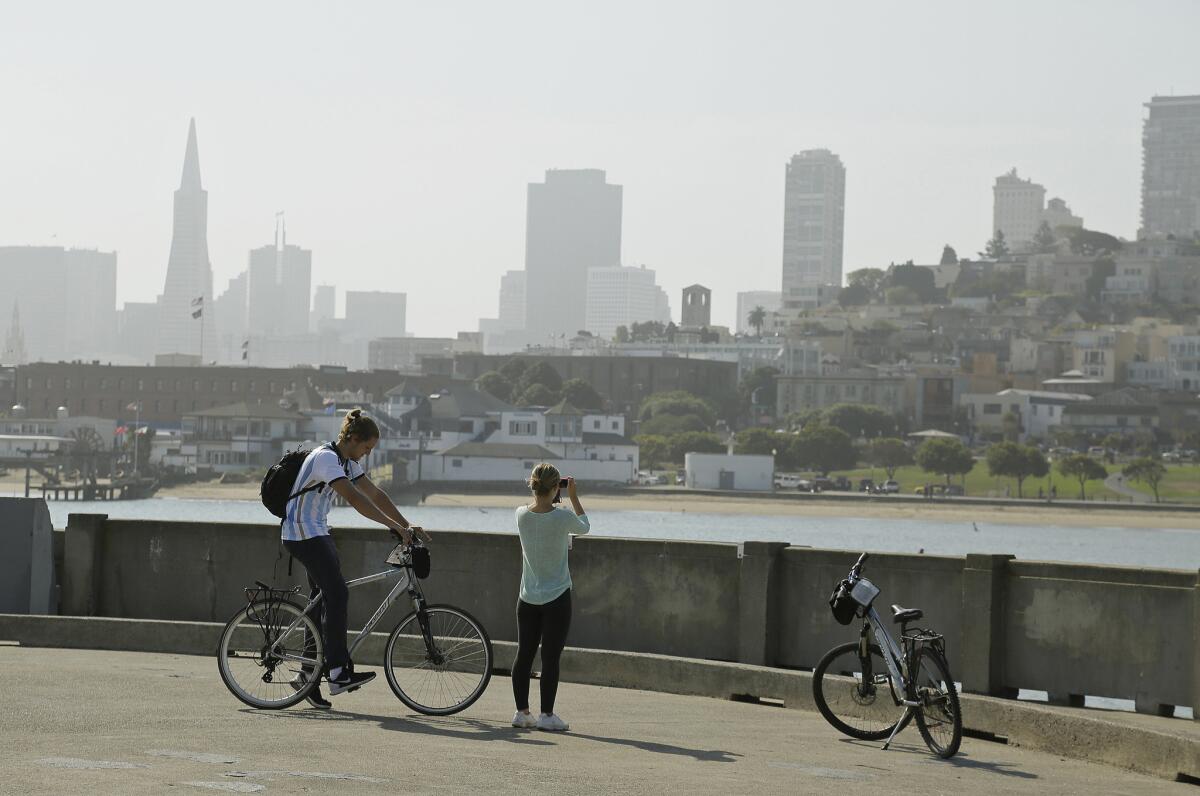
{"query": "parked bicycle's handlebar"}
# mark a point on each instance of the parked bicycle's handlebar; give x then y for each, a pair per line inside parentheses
(856, 570)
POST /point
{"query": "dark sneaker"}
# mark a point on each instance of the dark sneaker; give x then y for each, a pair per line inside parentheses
(349, 680)
(314, 697)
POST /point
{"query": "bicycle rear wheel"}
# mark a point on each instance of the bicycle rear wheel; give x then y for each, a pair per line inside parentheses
(264, 664)
(856, 696)
(443, 677)
(939, 718)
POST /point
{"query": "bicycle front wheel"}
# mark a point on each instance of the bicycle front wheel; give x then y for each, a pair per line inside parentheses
(855, 695)
(271, 654)
(441, 673)
(939, 718)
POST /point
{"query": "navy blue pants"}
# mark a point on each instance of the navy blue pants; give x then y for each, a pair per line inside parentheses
(319, 556)
(546, 625)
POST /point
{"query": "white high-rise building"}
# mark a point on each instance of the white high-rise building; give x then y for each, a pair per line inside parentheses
(1017, 208)
(279, 288)
(324, 306)
(1171, 167)
(512, 301)
(769, 300)
(621, 296)
(372, 314)
(573, 223)
(814, 210)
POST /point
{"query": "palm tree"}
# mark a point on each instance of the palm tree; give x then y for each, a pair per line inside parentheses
(756, 318)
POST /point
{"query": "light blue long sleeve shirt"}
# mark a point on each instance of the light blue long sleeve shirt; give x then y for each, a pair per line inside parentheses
(544, 537)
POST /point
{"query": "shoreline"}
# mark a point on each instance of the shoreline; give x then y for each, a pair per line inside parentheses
(1033, 514)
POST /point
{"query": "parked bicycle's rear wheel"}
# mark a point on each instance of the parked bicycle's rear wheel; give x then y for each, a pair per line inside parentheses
(263, 663)
(856, 696)
(939, 718)
(443, 672)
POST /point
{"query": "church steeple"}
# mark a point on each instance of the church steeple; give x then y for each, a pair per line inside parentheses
(191, 162)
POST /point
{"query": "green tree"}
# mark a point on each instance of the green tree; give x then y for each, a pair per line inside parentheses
(1082, 468)
(1011, 423)
(1148, 471)
(759, 441)
(949, 256)
(756, 318)
(1090, 242)
(680, 445)
(495, 384)
(581, 395)
(538, 395)
(643, 331)
(996, 248)
(1044, 240)
(823, 448)
(669, 425)
(916, 277)
(855, 296)
(902, 296)
(542, 373)
(653, 450)
(677, 402)
(622, 334)
(1102, 269)
(1010, 460)
(514, 368)
(872, 279)
(944, 456)
(798, 420)
(758, 390)
(888, 453)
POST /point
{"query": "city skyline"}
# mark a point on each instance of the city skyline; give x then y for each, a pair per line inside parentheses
(373, 188)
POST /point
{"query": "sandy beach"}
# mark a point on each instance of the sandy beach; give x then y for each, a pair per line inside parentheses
(1030, 514)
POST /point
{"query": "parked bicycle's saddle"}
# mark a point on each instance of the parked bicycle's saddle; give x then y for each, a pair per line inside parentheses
(900, 614)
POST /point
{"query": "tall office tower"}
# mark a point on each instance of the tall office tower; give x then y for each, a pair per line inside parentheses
(1058, 214)
(662, 306)
(137, 328)
(620, 296)
(185, 314)
(769, 300)
(573, 223)
(697, 307)
(1017, 208)
(229, 325)
(69, 297)
(279, 288)
(512, 301)
(324, 306)
(814, 210)
(1171, 167)
(372, 314)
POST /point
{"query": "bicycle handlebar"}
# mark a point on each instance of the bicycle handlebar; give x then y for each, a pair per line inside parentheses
(856, 570)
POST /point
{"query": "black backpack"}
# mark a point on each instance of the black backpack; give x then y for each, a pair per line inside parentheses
(276, 489)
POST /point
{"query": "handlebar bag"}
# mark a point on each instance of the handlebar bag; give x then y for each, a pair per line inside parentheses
(842, 604)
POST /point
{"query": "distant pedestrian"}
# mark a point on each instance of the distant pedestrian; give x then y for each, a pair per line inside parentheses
(544, 605)
(1053, 491)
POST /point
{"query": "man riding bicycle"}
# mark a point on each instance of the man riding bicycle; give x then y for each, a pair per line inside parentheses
(332, 469)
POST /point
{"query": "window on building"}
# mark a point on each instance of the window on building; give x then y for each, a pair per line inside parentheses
(456, 462)
(595, 425)
(522, 428)
(614, 425)
(992, 409)
(141, 385)
(66, 383)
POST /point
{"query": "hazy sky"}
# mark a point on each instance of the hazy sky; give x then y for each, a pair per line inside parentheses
(399, 137)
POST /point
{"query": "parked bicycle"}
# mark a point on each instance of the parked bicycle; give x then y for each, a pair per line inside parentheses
(438, 659)
(858, 686)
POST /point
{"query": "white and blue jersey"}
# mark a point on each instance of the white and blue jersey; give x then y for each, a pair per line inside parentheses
(308, 515)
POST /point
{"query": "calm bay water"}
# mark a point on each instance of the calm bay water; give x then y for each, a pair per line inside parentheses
(1175, 548)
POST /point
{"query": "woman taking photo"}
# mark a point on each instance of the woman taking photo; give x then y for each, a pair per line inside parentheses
(544, 606)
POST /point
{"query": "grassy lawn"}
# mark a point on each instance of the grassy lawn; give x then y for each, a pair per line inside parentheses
(1181, 484)
(980, 484)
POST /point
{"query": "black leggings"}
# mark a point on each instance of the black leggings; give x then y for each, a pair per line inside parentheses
(548, 625)
(319, 556)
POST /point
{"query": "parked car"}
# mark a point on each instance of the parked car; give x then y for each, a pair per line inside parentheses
(805, 485)
(890, 487)
(680, 477)
(785, 481)
(822, 484)
(866, 485)
(647, 478)
(842, 483)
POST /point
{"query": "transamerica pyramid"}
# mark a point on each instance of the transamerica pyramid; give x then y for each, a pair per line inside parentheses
(185, 307)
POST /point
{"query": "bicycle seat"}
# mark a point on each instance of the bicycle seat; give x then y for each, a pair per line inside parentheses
(900, 614)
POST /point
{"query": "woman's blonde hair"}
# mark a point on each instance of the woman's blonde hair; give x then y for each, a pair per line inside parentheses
(358, 426)
(544, 479)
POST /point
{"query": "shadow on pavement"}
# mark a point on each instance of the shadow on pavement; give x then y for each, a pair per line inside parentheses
(960, 760)
(478, 730)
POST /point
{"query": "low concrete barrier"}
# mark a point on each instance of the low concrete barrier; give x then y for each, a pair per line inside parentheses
(1168, 749)
(1070, 630)
(27, 565)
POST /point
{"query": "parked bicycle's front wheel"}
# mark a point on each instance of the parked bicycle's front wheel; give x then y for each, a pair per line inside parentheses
(441, 664)
(855, 695)
(265, 664)
(939, 718)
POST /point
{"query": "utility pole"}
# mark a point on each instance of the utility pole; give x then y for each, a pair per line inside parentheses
(28, 461)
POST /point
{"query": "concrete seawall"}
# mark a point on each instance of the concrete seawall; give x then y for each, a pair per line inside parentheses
(1070, 630)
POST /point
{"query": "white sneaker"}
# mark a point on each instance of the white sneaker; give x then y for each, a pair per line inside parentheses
(552, 723)
(524, 721)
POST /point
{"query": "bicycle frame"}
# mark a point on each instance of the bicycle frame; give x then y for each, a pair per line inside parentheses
(406, 583)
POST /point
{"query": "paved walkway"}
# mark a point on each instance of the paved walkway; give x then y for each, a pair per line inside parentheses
(78, 721)
(1118, 483)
